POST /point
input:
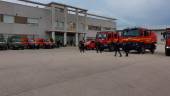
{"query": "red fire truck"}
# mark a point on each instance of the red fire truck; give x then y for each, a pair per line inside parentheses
(139, 39)
(107, 39)
(166, 36)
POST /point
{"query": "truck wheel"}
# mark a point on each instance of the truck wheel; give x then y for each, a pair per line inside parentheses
(13, 48)
(6, 47)
(141, 50)
(10, 47)
(111, 48)
(22, 48)
(37, 47)
(152, 51)
(167, 52)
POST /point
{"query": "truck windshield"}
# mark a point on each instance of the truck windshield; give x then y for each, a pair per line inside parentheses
(101, 36)
(131, 33)
(2, 40)
(16, 40)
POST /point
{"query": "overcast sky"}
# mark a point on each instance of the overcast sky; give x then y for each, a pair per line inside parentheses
(128, 12)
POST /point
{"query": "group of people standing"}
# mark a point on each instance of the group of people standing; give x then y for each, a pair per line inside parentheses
(99, 48)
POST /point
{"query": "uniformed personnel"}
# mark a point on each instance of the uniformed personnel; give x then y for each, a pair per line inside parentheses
(117, 48)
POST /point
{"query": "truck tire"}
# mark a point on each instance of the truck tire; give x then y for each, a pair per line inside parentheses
(13, 48)
(22, 48)
(6, 47)
(38, 47)
(141, 50)
(167, 52)
(153, 47)
(111, 48)
(152, 51)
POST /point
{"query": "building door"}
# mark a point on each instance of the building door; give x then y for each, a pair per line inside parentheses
(71, 39)
(59, 37)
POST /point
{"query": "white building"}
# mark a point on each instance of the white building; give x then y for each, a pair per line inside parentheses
(54, 20)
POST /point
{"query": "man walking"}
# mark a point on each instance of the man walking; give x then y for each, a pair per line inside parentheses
(126, 49)
(81, 47)
(98, 47)
(117, 49)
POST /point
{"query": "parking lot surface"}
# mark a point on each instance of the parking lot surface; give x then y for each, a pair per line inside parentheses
(66, 72)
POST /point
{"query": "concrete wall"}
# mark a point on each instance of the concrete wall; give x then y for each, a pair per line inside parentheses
(99, 22)
(43, 15)
(45, 20)
(160, 37)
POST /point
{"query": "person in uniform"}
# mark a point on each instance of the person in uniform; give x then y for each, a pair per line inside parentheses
(126, 49)
(99, 47)
(81, 47)
(117, 48)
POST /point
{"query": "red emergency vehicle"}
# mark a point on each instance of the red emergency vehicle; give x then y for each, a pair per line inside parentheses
(167, 40)
(107, 39)
(139, 39)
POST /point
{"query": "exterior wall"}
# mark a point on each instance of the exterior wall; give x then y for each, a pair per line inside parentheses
(101, 23)
(159, 36)
(44, 16)
(26, 11)
(81, 22)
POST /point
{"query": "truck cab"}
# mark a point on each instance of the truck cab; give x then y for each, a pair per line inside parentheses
(167, 45)
(15, 43)
(3, 43)
(139, 39)
(107, 39)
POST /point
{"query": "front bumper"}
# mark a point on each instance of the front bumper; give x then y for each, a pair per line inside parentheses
(132, 45)
(17, 45)
(3, 46)
(167, 47)
(105, 46)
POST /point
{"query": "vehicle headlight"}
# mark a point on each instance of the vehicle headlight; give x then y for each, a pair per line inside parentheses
(17, 42)
(2, 43)
(168, 47)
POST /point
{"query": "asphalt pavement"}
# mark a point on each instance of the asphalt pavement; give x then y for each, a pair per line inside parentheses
(67, 72)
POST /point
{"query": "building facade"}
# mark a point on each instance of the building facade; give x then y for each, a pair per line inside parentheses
(60, 22)
(159, 35)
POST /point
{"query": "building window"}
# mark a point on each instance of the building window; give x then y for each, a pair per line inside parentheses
(95, 28)
(1, 18)
(61, 10)
(8, 19)
(60, 24)
(72, 26)
(107, 28)
(21, 20)
(113, 28)
(32, 21)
